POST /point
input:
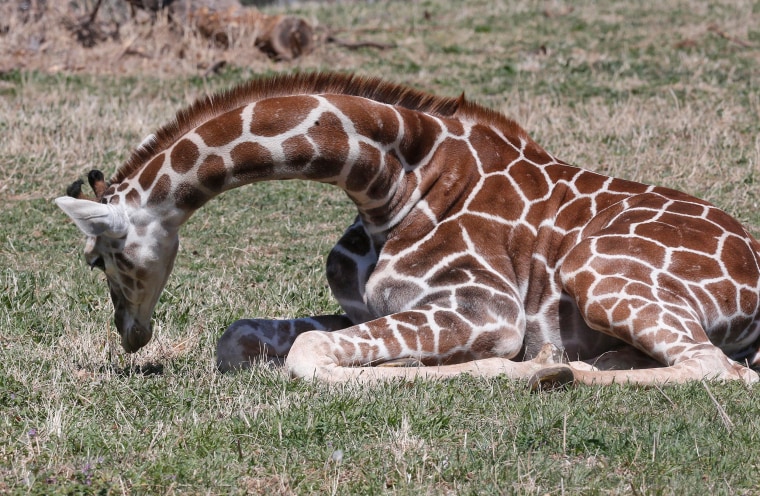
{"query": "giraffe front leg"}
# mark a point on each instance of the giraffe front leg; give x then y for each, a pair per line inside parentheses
(443, 340)
(349, 264)
(248, 340)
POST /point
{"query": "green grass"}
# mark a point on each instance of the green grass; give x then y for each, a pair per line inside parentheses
(664, 93)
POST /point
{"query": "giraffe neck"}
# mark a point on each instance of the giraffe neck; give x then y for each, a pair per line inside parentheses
(371, 150)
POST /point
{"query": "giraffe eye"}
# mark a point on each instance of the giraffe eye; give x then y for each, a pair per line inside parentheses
(98, 262)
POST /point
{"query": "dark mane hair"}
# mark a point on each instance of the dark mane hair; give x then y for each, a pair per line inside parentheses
(300, 84)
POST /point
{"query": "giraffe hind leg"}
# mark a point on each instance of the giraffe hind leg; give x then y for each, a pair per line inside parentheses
(629, 365)
(248, 341)
(713, 366)
(674, 347)
(611, 277)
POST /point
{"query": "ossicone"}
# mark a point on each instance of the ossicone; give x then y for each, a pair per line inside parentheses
(97, 182)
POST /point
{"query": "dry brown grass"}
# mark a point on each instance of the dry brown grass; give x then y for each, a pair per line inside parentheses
(46, 40)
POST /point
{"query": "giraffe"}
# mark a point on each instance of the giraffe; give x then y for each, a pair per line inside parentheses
(473, 250)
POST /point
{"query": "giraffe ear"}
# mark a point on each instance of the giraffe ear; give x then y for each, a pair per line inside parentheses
(95, 219)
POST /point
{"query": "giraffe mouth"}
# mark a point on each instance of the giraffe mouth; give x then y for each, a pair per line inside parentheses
(135, 337)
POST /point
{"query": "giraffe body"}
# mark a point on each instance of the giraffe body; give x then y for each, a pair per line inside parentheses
(474, 250)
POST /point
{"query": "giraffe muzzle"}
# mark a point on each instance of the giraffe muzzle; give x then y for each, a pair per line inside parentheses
(135, 337)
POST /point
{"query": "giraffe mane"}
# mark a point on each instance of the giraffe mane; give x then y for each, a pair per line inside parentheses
(302, 84)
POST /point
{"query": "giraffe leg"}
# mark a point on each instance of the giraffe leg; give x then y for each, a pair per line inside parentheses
(653, 311)
(468, 318)
(349, 264)
(248, 340)
(443, 340)
(328, 357)
(711, 366)
(675, 344)
(629, 365)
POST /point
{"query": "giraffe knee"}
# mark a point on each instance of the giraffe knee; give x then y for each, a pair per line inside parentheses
(308, 357)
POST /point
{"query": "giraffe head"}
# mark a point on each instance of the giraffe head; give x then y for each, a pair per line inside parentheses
(134, 249)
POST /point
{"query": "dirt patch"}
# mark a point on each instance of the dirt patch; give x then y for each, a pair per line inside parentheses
(113, 37)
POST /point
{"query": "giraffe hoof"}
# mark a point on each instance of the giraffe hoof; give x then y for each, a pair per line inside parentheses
(551, 378)
(402, 362)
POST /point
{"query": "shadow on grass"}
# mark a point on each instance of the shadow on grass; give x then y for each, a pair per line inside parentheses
(146, 369)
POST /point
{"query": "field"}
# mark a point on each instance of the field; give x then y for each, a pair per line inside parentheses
(667, 93)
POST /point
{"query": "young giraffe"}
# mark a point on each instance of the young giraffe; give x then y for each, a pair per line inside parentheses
(474, 250)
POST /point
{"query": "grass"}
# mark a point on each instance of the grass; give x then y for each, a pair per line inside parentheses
(666, 93)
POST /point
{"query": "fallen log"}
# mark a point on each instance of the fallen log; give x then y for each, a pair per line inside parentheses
(281, 37)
